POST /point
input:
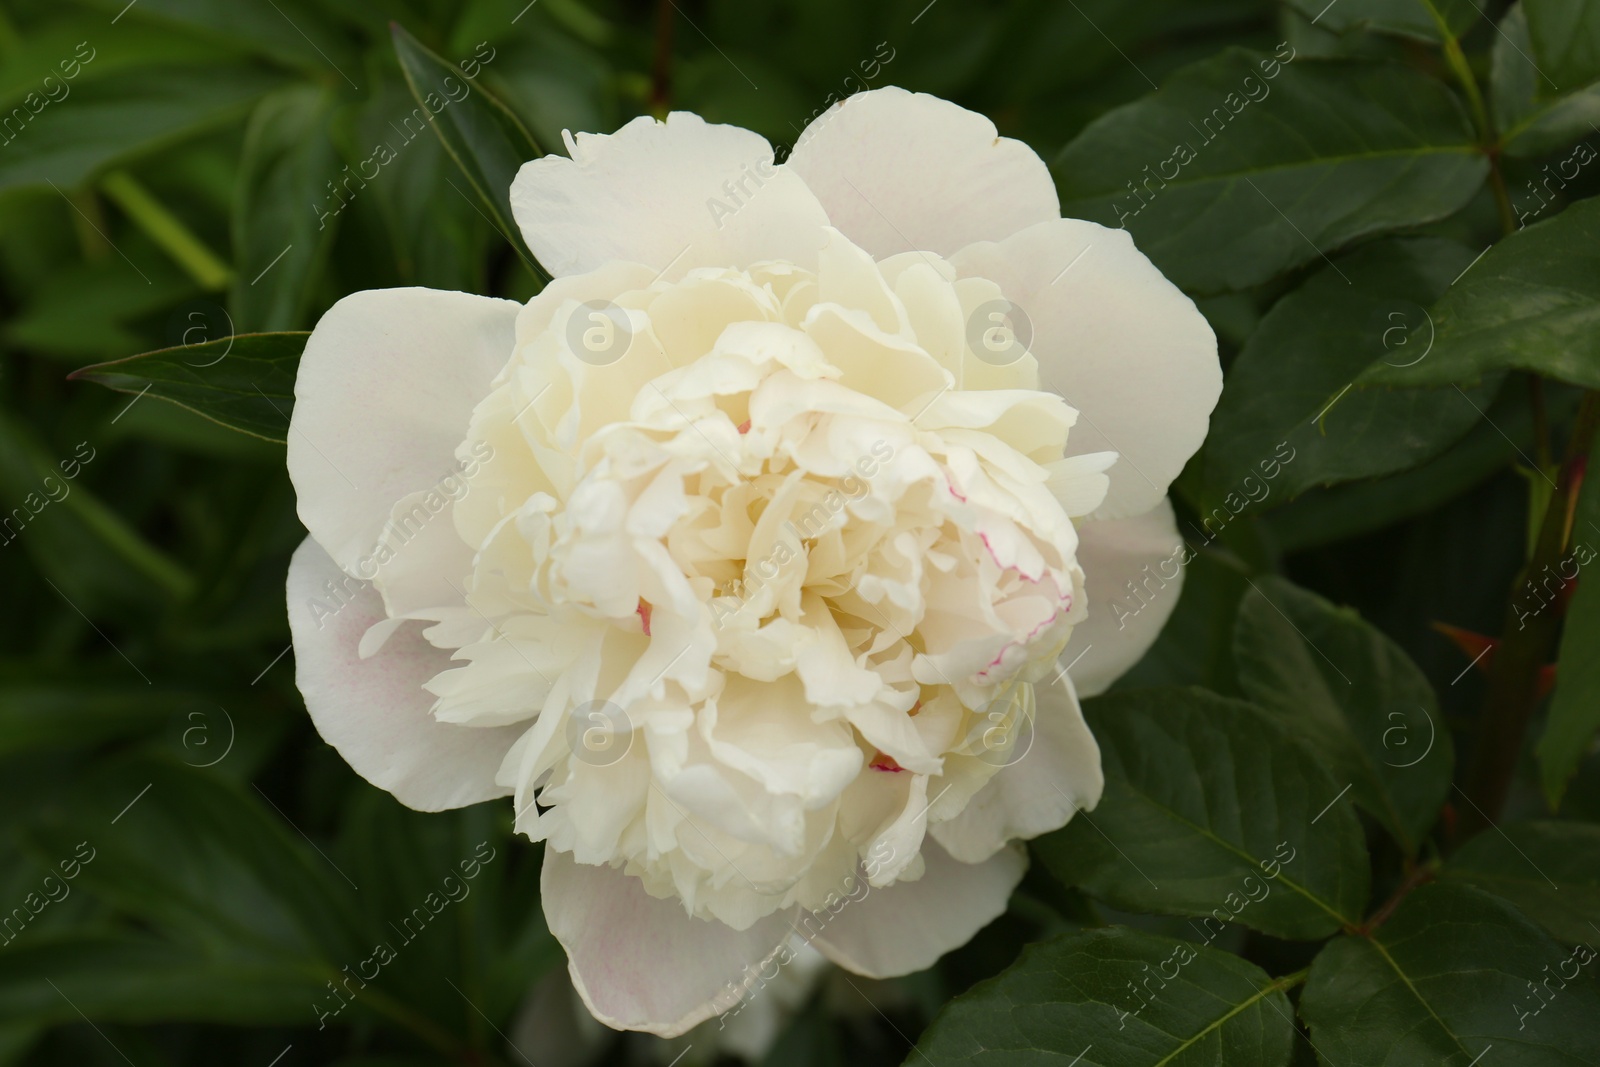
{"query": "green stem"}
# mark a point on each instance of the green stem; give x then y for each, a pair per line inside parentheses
(167, 230)
(1528, 642)
(1417, 876)
(1488, 139)
(1502, 198)
(661, 72)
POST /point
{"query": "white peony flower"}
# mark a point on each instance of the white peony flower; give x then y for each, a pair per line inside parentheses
(742, 555)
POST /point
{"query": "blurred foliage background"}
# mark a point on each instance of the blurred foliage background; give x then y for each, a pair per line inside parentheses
(172, 172)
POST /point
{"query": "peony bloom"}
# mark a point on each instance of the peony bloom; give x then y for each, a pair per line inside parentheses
(742, 556)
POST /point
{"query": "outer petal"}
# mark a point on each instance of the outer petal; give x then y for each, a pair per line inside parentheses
(1133, 574)
(1049, 782)
(375, 711)
(642, 963)
(901, 172)
(1119, 341)
(907, 926)
(384, 394)
(681, 193)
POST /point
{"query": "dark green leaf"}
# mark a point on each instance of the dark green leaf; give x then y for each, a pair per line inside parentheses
(42, 715)
(1566, 40)
(1362, 707)
(85, 549)
(1289, 409)
(1323, 516)
(245, 382)
(1205, 798)
(439, 237)
(1549, 870)
(1532, 302)
(486, 140)
(1534, 118)
(1425, 20)
(123, 978)
(1116, 998)
(291, 31)
(1450, 979)
(281, 223)
(1227, 177)
(121, 116)
(1575, 708)
(207, 862)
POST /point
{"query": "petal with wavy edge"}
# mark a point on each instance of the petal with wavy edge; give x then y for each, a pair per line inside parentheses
(1133, 575)
(677, 194)
(900, 171)
(384, 394)
(1043, 786)
(907, 926)
(642, 963)
(1125, 347)
(375, 711)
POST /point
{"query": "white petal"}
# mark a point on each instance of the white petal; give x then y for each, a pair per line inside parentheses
(900, 172)
(375, 711)
(384, 394)
(641, 963)
(1119, 341)
(907, 926)
(1133, 573)
(1040, 788)
(681, 193)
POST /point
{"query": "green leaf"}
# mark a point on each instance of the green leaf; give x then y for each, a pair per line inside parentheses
(124, 115)
(206, 862)
(88, 551)
(1116, 998)
(469, 860)
(1208, 803)
(1289, 391)
(86, 311)
(38, 716)
(167, 230)
(1566, 40)
(135, 979)
(440, 238)
(244, 382)
(1448, 977)
(1534, 118)
(290, 31)
(487, 141)
(280, 236)
(1575, 708)
(1532, 302)
(1549, 870)
(1421, 19)
(1355, 698)
(1323, 516)
(1227, 177)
